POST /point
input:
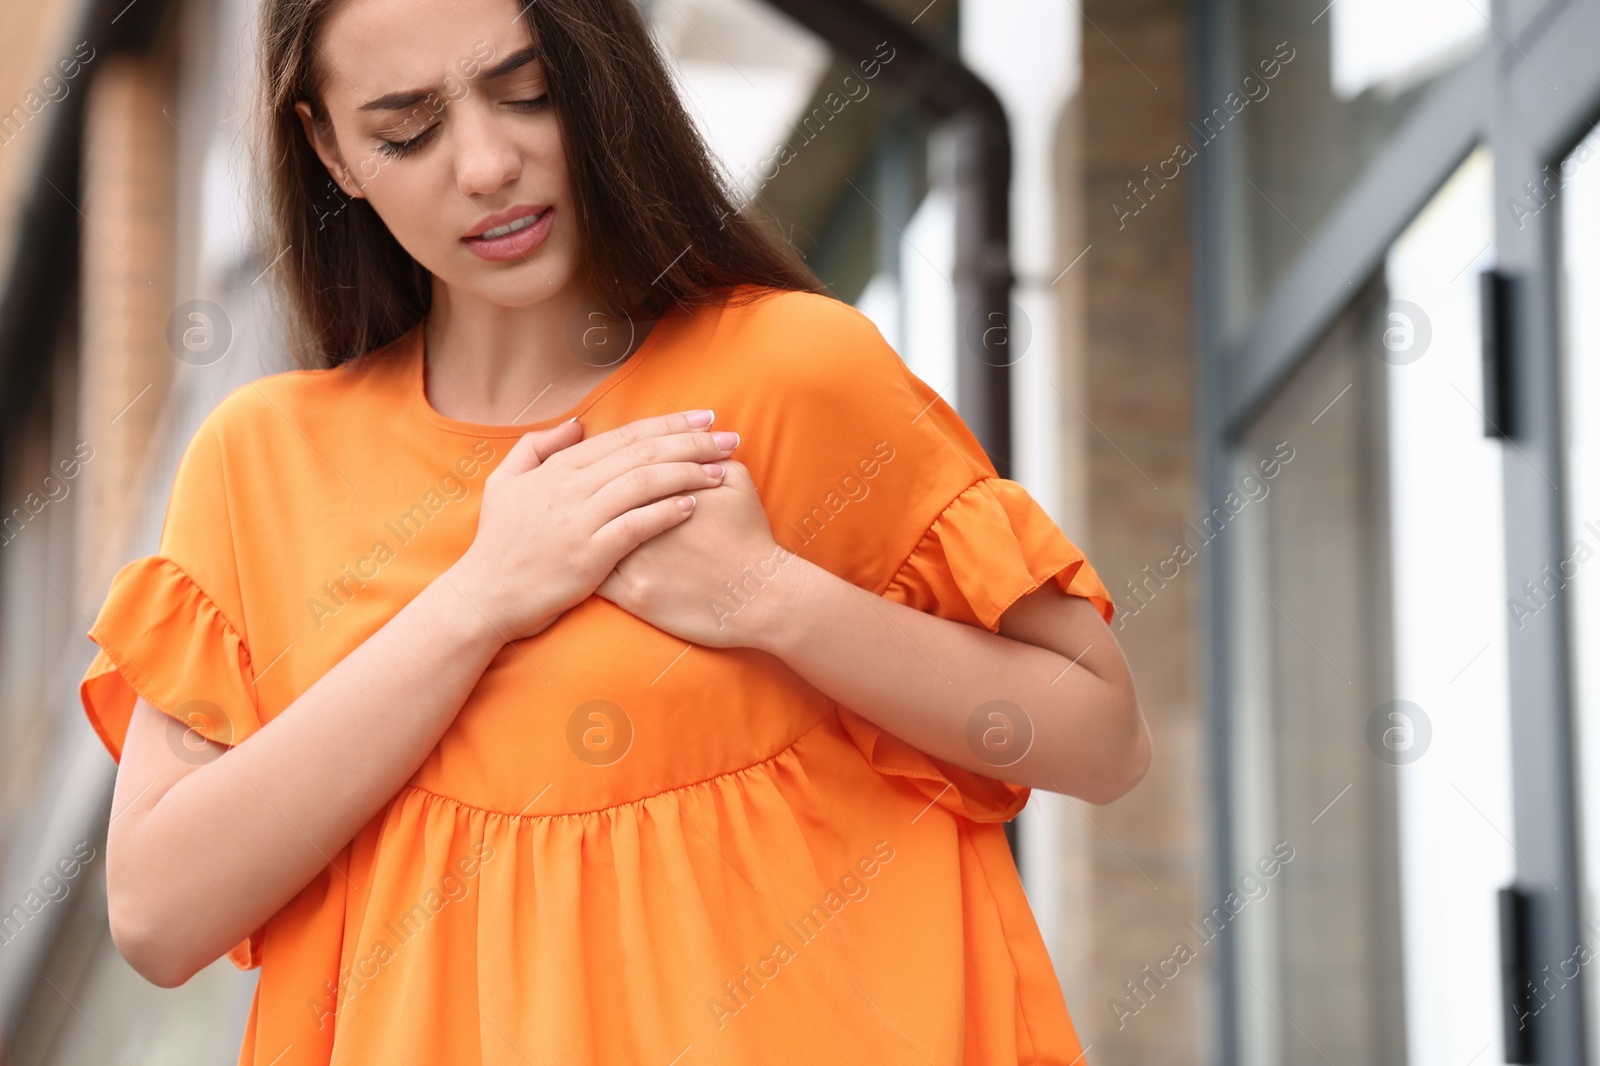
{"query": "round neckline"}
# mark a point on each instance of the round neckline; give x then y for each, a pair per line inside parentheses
(418, 394)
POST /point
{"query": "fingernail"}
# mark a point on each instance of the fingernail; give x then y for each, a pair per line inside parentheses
(712, 469)
(726, 440)
(701, 418)
(574, 418)
(685, 503)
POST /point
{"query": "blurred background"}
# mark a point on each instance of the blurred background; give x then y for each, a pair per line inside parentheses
(1288, 311)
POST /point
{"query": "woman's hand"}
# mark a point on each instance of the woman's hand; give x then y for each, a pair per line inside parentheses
(712, 581)
(560, 511)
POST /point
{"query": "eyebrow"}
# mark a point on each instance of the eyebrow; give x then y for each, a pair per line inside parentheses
(399, 101)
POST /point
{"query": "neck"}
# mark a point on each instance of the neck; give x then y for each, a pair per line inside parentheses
(500, 365)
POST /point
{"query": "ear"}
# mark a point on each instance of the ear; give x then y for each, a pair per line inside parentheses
(328, 153)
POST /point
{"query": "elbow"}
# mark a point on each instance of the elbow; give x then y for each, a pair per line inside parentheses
(141, 942)
(1126, 765)
(1137, 761)
(149, 956)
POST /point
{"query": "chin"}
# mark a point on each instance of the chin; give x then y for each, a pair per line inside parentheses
(519, 284)
(525, 290)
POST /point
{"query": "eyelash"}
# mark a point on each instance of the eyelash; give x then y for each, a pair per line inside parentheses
(400, 149)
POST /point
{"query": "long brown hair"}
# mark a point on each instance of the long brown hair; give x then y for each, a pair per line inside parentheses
(657, 224)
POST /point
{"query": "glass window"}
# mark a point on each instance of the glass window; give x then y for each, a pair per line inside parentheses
(1371, 730)
(1447, 543)
(1388, 47)
(1319, 88)
(1319, 949)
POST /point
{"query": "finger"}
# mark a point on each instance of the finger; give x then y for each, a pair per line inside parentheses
(696, 446)
(639, 485)
(534, 448)
(600, 445)
(632, 528)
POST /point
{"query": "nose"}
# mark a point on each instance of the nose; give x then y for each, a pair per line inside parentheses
(485, 158)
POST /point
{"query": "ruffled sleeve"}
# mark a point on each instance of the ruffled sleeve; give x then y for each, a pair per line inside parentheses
(163, 638)
(992, 545)
(171, 630)
(905, 502)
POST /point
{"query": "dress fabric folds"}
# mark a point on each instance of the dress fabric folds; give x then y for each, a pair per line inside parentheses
(624, 849)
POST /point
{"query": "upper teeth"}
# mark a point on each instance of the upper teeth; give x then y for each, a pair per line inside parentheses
(512, 227)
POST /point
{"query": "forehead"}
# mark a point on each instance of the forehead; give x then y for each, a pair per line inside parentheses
(373, 47)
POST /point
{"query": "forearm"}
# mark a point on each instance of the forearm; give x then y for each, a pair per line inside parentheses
(201, 866)
(925, 678)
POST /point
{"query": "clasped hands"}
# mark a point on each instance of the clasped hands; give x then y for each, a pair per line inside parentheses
(712, 578)
(566, 516)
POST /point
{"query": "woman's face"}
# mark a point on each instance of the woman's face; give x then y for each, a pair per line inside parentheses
(441, 121)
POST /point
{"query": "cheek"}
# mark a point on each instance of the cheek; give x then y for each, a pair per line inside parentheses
(406, 198)
(551, 179)
(550, 157)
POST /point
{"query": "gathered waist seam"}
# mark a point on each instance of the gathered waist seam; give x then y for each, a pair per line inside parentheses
(832, 713)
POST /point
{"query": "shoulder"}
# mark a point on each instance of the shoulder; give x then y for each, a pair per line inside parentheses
(824, 370)
(297, 403)
(792, 320)
(812, 341)
(767, 307)
(244, 409)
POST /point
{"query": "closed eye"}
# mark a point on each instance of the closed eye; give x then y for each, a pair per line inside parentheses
(397, 149)
(400, 149)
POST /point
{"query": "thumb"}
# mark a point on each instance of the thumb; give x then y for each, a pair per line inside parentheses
(534, 448)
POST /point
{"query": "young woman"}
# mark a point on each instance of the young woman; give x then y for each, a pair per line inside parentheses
(602, 650)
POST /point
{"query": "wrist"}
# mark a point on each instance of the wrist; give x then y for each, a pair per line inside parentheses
(780, 620)
(467, 608)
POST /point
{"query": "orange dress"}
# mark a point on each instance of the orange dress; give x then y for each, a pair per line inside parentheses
(626, 848)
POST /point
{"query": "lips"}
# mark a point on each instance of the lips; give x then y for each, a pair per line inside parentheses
(523, 213)
(519, 238)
